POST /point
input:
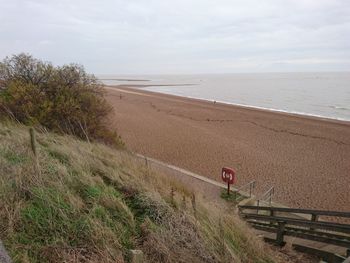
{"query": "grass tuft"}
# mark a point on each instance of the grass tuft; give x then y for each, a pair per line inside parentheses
(14, 158)
(61, 157)
(232, 197)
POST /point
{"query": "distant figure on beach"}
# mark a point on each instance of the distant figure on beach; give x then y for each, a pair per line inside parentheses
(214, 101)
(120, 96)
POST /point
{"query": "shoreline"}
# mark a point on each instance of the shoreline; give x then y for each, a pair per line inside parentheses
(136, 88)
(301, 114)
(306, 158)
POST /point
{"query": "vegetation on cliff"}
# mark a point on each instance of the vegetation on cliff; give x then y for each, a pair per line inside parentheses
(77, 201)
(62, 99)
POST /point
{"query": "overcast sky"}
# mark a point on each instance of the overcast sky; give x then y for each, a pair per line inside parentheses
(181, 36)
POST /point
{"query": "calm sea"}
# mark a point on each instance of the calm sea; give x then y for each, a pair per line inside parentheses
(317, 94)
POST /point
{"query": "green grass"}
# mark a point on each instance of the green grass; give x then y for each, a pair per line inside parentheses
(13, 158)
(233, 197)
(92, 203)
(61, 157)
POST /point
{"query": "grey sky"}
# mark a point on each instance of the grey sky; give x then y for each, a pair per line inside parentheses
(182, 36)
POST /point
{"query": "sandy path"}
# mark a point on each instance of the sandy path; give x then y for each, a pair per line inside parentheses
(306, 159)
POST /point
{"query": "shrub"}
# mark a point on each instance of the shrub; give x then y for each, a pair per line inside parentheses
(64, 99)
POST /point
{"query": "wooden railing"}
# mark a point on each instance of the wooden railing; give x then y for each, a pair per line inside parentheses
(301, 223)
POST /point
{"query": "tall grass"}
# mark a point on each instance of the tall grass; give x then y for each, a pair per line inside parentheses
(91, 203)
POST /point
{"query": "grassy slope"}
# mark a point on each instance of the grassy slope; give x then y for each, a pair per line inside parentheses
(90, 203)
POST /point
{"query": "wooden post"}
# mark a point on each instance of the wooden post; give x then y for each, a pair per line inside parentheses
(193, 201)
(280, 233)
(34, 149)
(272, 213)
(314, 218)
(136, 256)
(172, 193)
(183, 201)
(33, 141)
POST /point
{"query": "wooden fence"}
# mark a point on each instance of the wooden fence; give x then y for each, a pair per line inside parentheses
(301, 223)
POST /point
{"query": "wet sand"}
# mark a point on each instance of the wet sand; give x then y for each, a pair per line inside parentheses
(306, 159)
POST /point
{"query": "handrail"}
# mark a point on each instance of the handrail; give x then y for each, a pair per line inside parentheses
(337, 227)
(267, 196)
(298, 210)
(272, 227)
(267, 193)
(251, 185)
(287, 224)
(324, 237)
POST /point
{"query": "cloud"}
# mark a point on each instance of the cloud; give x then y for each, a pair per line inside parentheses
(184, 36)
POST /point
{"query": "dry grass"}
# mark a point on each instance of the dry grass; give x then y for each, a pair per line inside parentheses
(90, 203)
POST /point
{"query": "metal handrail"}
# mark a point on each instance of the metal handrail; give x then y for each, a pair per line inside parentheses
(267, 196)
(251, 185)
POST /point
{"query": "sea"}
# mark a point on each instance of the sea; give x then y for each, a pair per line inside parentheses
(323, 94)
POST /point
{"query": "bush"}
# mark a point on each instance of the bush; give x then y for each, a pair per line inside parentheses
(63, 99)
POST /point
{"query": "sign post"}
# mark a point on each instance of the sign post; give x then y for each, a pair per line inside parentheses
(228, 176)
